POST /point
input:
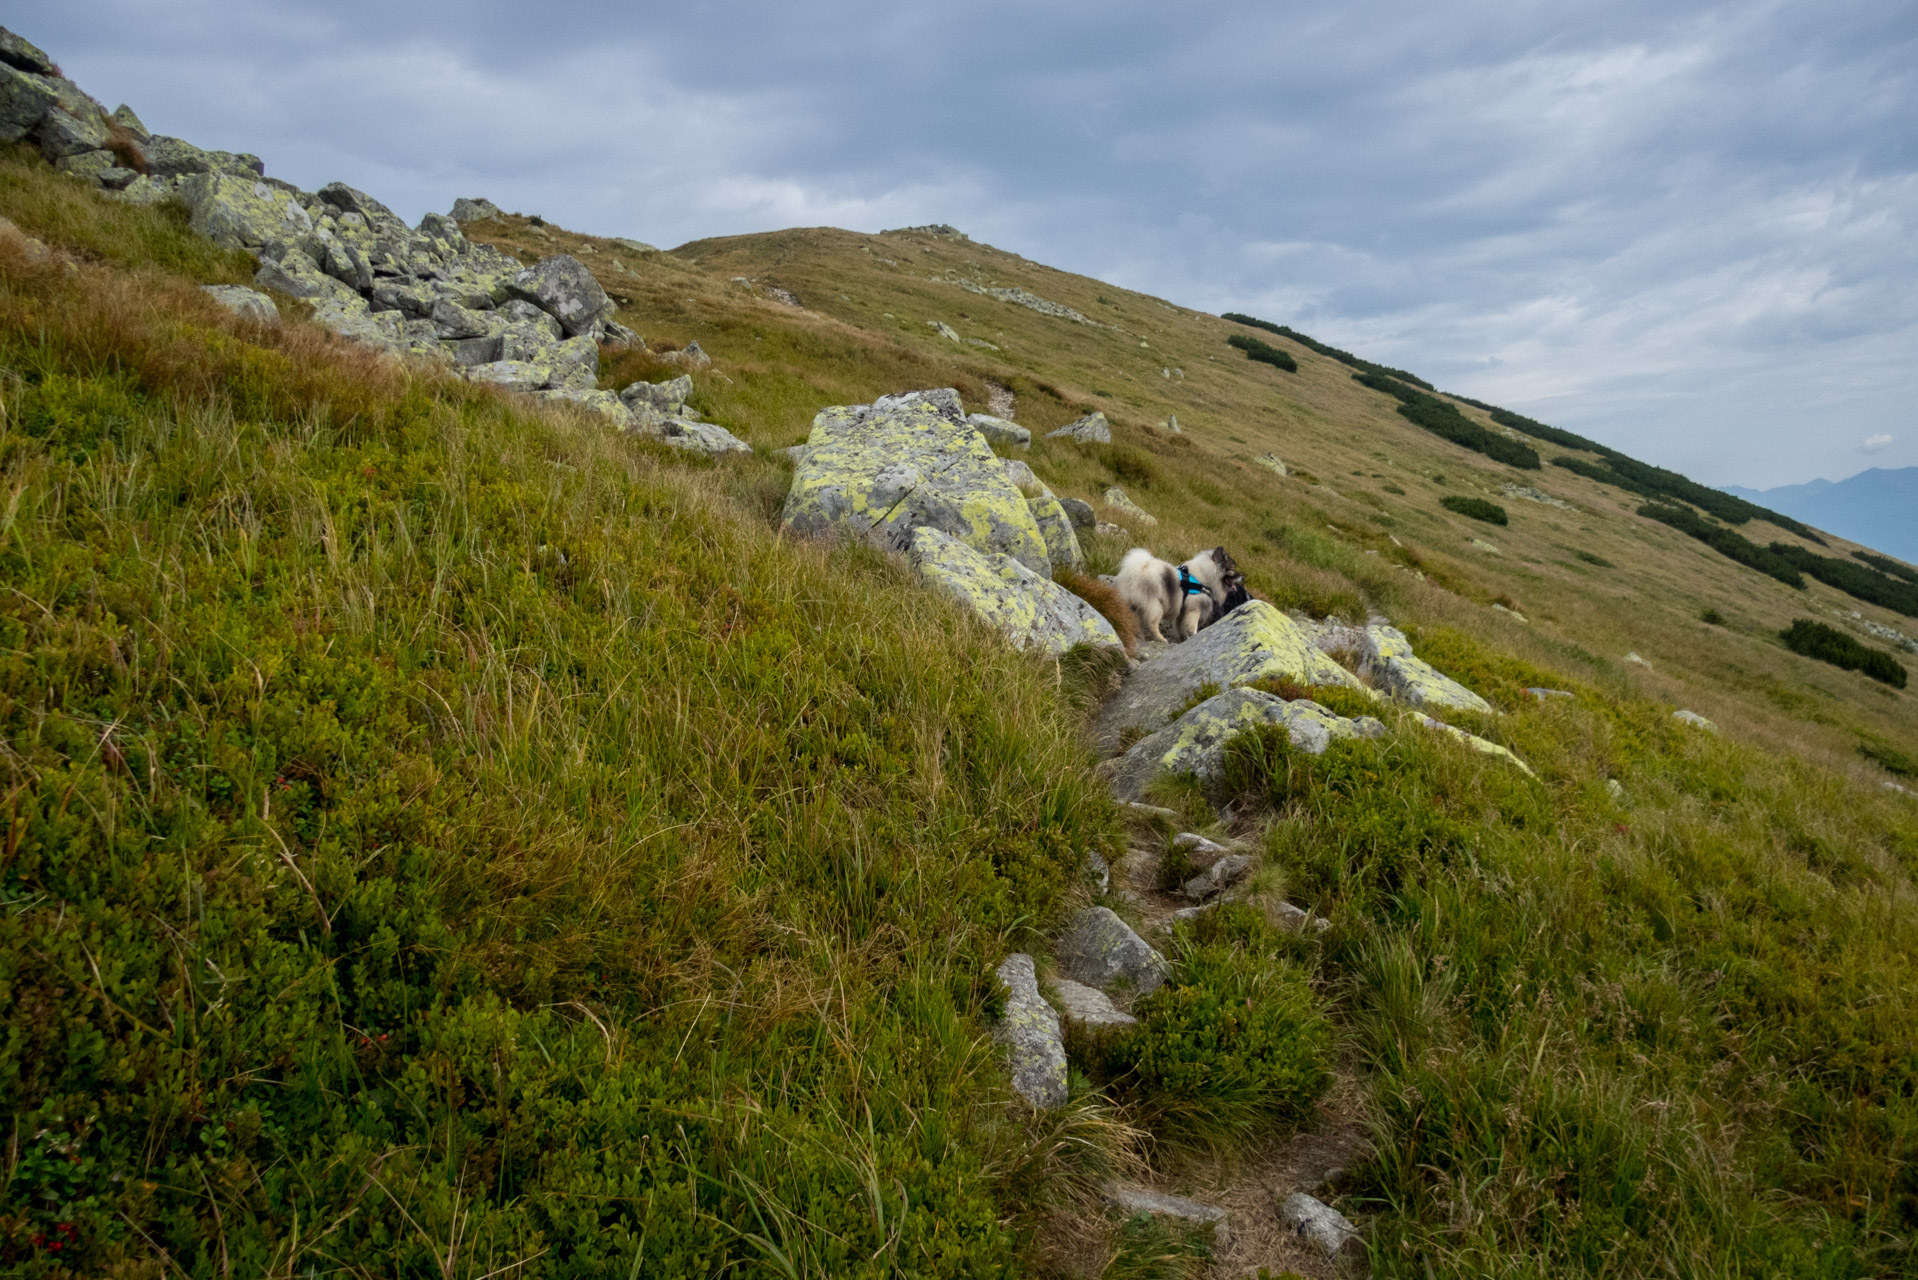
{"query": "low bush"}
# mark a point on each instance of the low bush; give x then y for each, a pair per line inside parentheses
(1443, 420)
(1712, 617)
(1726, 543)
(1128, 464)
(1885, 564)
(1828, 644)
(1313, 344)
(1591, 558)
(1475, 509)
(1264, 352)
(1890, 758)
(1853, 579)
(1656, 482)
(1235, 1042)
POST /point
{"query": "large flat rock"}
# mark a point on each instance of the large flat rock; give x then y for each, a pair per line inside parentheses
(1254, 642)
(879, 472)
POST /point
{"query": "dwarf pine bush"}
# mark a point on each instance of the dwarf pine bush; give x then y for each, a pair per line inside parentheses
(1264, 352)
(1828, 644)
(1475, 508)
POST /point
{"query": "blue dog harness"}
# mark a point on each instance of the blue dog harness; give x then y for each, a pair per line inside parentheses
(1193, 587)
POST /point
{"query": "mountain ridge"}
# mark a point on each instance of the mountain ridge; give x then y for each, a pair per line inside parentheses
(1877, 507)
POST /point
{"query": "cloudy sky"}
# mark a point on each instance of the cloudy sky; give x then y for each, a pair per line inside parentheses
(1685, 229)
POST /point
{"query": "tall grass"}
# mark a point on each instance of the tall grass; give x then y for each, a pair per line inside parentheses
(444, 839)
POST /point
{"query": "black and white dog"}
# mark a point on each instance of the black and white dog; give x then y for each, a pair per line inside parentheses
(1191, 596)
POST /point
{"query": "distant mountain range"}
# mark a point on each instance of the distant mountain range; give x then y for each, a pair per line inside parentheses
(1877, 507)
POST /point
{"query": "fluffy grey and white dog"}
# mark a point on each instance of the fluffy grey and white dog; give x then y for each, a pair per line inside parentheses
(1191, 596)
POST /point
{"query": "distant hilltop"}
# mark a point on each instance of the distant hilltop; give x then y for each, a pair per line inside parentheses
(1877, 507)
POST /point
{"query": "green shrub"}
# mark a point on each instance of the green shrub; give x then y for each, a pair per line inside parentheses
(1343, 357)
(1712, 617)
(1656, 482)
(1885, 564)
(1128, 464)
(1475, 508)
(1890, 758)
(1726, 543)
(1264, 352)
(1589, 558)
(1445, 421)
(1853, 579)
(1828, 644)
(1235, 1042)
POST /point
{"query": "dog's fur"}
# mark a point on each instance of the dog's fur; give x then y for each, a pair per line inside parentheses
(1151, 588)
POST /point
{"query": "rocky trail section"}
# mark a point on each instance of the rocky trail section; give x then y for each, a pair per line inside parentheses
(425, 292)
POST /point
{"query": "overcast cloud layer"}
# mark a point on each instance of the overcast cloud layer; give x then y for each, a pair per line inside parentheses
(1684, 229)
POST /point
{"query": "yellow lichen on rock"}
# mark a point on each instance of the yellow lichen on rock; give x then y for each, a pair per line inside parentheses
(1194, 744)
(1255, 642)
(882, 472)
(1033, 612)
(1475, 742)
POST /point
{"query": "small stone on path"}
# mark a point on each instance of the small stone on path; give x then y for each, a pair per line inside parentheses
(1131, 1199)
(1318, 1223)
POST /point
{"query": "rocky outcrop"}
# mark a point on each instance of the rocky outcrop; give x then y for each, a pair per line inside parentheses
(1102, 951)
(1033, 612)
(1029, 1031)
(424, 291)
(1254, 642)
(882, 471)
(1194, 744)
(1091, 429)
(1084, 518)
(1384, 656)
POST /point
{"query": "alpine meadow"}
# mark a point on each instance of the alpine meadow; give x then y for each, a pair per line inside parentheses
(527, 754)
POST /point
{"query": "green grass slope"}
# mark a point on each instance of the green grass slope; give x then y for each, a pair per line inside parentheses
(440, 836)
(444, 838)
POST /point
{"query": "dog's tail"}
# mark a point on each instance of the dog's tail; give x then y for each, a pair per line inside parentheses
(1135, 562)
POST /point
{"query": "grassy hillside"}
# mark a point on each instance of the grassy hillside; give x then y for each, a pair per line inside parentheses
(441, 836)
(447, 839)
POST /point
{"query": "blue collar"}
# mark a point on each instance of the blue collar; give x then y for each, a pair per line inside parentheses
(1193, 587)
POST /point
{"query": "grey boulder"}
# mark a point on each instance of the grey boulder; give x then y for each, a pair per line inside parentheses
(906, 463)
(25, 99)
(1132, 1200)
(701, 437)
(999, 431)
(1195, 743)
(562, 287)
(1091, 429)
(1089, 1007)
(1029, 1032)
(1217, 878)
(1031, 611)
(667, 398)
(1318, 1224)
(1101, 950)
(1081, 514)
(16, 51)
(473, 209)
(242, 301)
(61, 134)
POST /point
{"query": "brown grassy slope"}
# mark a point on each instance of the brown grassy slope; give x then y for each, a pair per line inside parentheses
(1332, 537)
